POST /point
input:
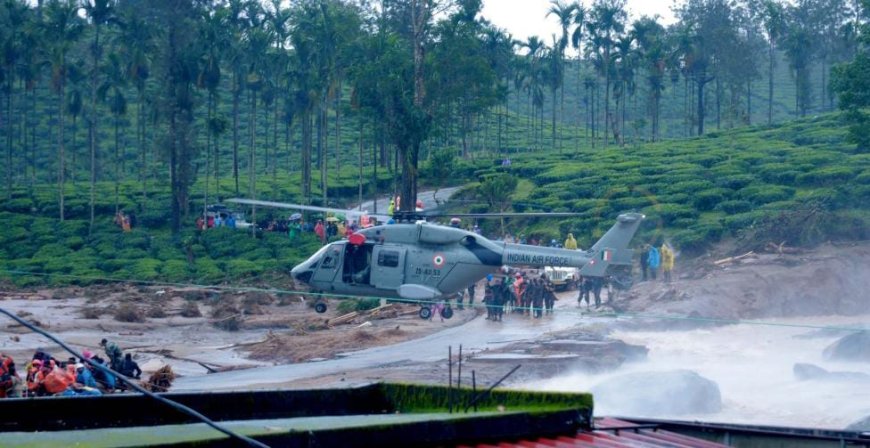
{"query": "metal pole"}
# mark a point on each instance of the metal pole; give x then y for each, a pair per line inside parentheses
(473, 390)
(487, 392)
(450, 379)
(459, 370)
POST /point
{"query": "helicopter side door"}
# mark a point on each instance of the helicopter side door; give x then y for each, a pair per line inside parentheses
(330, 264)
(388, 270)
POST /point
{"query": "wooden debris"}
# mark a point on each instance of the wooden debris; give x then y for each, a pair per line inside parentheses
(781, 248)
(342, 319)
(733, 259)
(161, 380)
(11, 295)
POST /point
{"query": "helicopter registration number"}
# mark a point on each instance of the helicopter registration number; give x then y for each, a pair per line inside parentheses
(428, 272)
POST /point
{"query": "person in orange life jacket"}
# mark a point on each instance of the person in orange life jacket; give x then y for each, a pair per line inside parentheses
(8, 375)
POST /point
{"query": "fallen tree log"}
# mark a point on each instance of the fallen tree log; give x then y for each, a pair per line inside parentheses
(342, 319)
(733, 259)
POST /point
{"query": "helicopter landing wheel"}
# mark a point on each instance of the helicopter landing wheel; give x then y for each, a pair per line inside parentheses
(425, 313)
(320, 307)
(447, 313)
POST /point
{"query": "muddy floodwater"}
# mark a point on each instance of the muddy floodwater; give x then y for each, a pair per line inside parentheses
(753, 365)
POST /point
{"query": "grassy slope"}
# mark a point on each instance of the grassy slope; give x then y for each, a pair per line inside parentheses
(695, 192)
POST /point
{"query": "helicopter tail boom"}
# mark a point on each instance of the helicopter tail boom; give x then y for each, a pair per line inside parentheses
(612, 248)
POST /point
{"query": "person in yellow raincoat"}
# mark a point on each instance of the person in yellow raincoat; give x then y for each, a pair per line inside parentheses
(570, 242)
(667, 261)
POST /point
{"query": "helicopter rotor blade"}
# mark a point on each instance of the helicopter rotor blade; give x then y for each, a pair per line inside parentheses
(505, 215)
(310, 208)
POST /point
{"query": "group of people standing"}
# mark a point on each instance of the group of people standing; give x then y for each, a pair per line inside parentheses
(652, 259)
(520, 294)
(44, 375)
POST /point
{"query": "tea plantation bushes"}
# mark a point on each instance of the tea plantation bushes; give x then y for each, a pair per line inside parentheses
(738, 176)
(764, 193)
(826, 176)
(734, 207)
(669, 213)
(64, 250)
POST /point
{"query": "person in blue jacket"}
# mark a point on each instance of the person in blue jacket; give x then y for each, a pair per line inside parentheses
(654, 260)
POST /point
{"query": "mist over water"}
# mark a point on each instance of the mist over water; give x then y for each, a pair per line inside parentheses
(753, 367)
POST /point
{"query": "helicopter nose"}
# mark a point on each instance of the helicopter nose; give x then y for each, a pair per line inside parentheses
(301, 273)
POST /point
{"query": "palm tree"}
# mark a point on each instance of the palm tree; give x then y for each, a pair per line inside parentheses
(238, 26)
(608, 20)
(532, 78)
(773, 18)
(65, 27)
(75, 106)
(111, 91)
(579, 22)
(12, 49)
(565, 13)
(649, 35)
(136, 44)
(100, 12)
(215, 40)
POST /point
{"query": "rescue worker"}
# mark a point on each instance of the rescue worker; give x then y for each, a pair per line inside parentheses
(320, 231)
(596, 284)
(538, 298)
(570, 242)
(644, 261)
(84, 376)
(130, 368)
(667, 262)
(583, 286)
(471, 288)
(653, 260)
(391, 209)
(520, 286)
(549, 295)
(8, 376)
(57, 380)
(488, 298)
(114, 353)
(102, 376)
(34, 379)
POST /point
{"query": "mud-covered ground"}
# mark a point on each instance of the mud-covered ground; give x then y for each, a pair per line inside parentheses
(282, 342)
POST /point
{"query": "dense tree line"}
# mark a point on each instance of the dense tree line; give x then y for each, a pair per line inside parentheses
(211, 86)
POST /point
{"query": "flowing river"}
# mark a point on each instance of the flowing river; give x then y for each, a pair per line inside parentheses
(752, 363)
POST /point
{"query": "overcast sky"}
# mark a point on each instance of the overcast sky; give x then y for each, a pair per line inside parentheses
(524, 18)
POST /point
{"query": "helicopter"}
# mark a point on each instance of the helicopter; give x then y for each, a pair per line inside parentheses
(420, 261)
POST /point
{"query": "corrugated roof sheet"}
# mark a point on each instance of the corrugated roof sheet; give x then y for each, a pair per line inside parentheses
(611, 433)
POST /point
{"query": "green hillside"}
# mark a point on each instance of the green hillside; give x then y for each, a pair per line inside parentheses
(799, 183)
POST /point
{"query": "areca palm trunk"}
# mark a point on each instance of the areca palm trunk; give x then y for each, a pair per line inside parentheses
(252, 125)
(338, 132)
(236, 100)
(8, 140)
(306, 156)
(117, 164)
(92, 124)
(60, 145)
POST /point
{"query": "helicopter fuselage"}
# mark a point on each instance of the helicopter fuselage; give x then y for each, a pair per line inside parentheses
(426, 261)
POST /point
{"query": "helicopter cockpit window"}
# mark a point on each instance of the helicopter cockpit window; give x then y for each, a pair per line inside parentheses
(388, 258)
(328, 262)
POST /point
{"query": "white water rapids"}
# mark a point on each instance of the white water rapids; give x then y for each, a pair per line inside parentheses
(752, 365)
